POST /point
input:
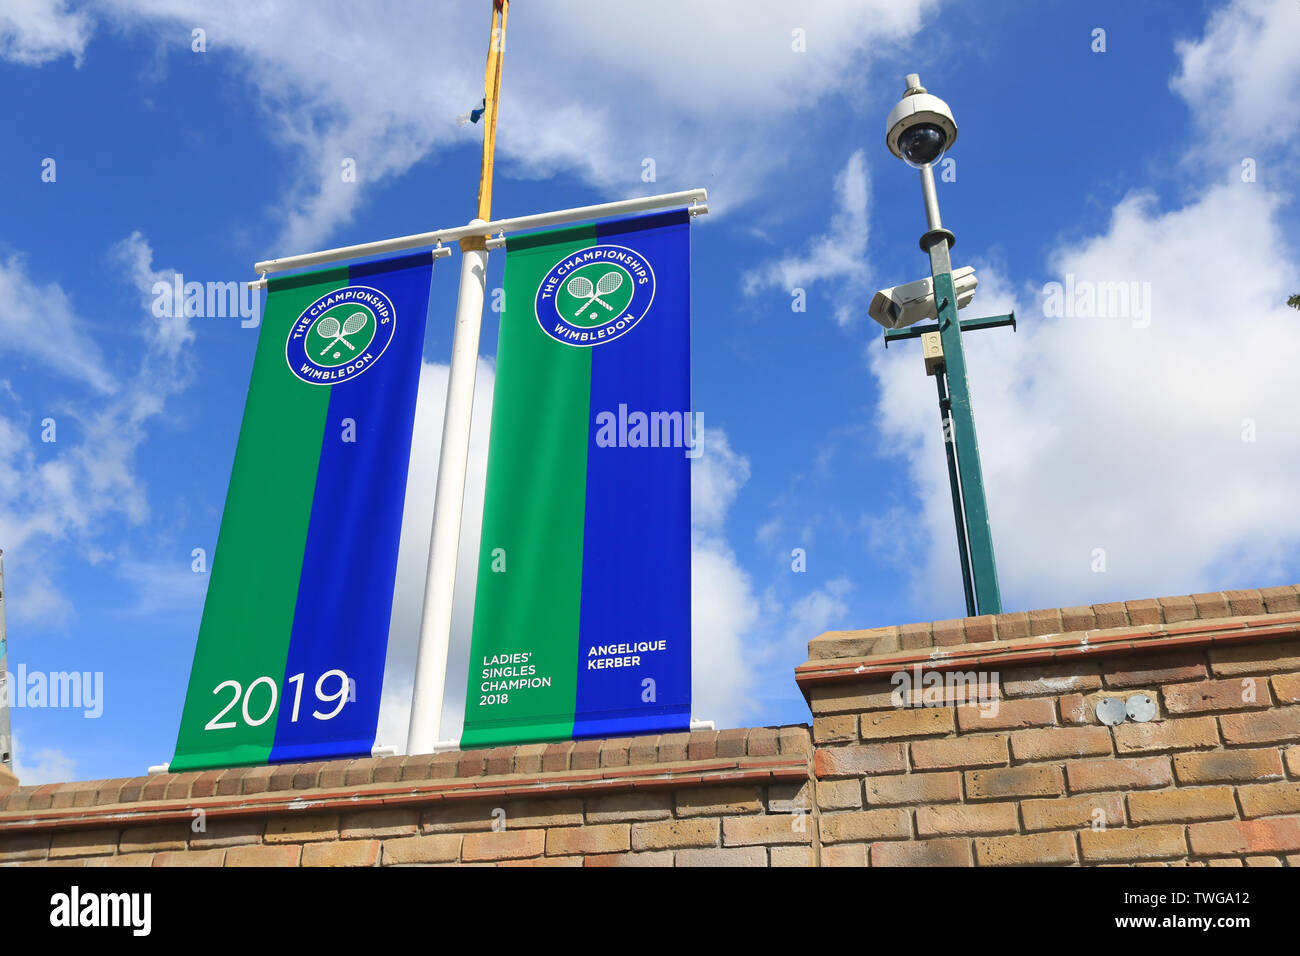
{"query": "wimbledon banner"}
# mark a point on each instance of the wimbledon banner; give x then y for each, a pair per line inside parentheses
(290, 657)
(582, 616)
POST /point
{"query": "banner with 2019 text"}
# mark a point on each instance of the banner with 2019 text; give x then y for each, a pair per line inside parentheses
(290, 656)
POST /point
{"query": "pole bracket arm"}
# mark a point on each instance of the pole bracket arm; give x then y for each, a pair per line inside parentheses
(967, 325)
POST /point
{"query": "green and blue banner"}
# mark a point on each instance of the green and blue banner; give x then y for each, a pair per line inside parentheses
(582, 616)
(290, 656)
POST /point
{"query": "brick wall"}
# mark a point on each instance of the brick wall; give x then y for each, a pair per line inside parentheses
(1027, 774)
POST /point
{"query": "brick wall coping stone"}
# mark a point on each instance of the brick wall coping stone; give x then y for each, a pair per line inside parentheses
(1054, 647)
(1054, 621)
(699, 758)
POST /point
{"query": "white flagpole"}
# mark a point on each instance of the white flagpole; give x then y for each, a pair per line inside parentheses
(449, 497)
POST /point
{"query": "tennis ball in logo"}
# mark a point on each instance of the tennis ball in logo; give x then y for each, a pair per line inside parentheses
(341, 334)
(595, 294)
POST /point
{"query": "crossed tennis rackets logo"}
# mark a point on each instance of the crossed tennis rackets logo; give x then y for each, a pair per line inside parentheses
(580, 287)
(329, 328)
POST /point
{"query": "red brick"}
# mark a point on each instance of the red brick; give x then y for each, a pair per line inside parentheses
(1141, 843)
(1111, 614)
(1073, 813)
(1131, 773)
(913, 722)
(263, 855)
(840, 727)
(1180, 608)
(344, 853)
(613, 751)
(1227, 766)
(1270, 657)
(979, 629)
(946, 852)
(1270, 799)
(718, 801)
(1074, 710)
(858, 761)
(672, 834)
(845, 854)
(586, 755)
(730, 856)
(979, 751)
(967, 819)
(766, 830)
(189, 858)
(1078, 619)
(1287, 688)
(1210, 605)
(1012, 626)
(301, 828)
(794, 741)
(762, 742)
(841, 794)
(949, 633)
(1280, 599)
(1272, 835)
(1143, 612)
(435, 848)
(593, 838)
(503, 845)
(865, 825)
(1045, 621)
(1274, 726)
(673, 747)
(1051, 679)
(83, 843)
(1216, 695)
(1007, 715)
(379, 823)
(1039, 849)
(630, 859)
(1185, 733)
(1194, 803)
(914, 788)
(1003, 782)
(626, 807)
(1244, 602)
(1148, 670)
(555, 759)
(1054, 743)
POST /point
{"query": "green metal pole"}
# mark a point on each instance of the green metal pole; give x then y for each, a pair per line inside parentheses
(963, 547)
(978, 532)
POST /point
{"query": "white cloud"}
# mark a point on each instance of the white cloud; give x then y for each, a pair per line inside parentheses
(46, 765)
(52, 493)
(337, 81)
(33, 32)
(1242, 78)
(39, 322)
(839, 256)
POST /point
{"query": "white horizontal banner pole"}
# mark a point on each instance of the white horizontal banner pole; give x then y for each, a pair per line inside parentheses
(500, 226)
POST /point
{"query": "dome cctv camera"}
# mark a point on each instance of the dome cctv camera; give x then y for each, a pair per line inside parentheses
(921, 127)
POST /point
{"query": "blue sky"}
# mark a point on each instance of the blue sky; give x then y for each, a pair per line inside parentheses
(1160, 437)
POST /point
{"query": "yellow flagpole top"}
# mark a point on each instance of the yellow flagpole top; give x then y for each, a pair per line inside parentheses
(492, 92)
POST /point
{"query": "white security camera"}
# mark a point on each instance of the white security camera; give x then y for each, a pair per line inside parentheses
(921, 127)
(905, 305)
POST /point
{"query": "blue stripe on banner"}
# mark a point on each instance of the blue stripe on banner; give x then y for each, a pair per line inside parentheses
(345, 594)
(636, 562)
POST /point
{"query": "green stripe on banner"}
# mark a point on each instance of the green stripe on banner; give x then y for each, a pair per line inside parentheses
(533, 516)
(248, 614)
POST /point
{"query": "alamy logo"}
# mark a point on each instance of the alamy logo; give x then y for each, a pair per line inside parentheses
(340, 335)
(595, 295)
(75, 908)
